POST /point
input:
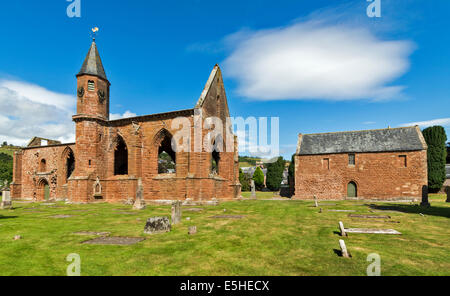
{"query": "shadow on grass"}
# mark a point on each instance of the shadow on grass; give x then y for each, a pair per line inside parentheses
(8, 217)
(414, 209)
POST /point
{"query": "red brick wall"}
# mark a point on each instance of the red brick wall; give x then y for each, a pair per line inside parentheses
(96, 139)
(28, 176)
(377, 175)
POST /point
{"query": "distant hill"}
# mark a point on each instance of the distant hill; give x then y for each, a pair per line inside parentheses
(9, 149)
(248, 161)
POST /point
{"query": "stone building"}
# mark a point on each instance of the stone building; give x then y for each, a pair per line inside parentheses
(110, 156)
(373, 164)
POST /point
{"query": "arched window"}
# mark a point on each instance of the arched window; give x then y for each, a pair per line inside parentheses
(120, 157)
(43, 165)
(166, 155)
(215, 157)
(70, 164)
(352, 189)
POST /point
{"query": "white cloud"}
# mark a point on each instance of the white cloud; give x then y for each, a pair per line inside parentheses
(28, 110)
(433, 122)
(316, 59)
(127, 114)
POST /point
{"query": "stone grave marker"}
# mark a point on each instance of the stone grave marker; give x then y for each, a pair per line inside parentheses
(344, 251)
(157, 225)
(227, 217)
(346, 231)
(6, 200)
(114, 240)
(139, 204)
(369, 216)
(316, 203)
(425, 202)
(192, 230)
(176, 212)
(252, 184)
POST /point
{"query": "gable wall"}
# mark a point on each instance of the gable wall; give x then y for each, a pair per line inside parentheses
(377, 175)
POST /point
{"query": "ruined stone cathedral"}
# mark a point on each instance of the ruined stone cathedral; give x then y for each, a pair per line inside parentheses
(109, 157)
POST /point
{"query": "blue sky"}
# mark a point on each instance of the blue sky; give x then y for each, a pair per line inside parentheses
(320, 66)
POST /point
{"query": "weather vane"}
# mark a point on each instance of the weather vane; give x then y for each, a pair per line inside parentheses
(94, 33)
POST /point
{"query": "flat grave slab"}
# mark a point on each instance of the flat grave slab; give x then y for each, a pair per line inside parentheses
(92, 233)
(227, 217)
(61, 216)
(114, 240)
(369, 216)
(345, 211)
(372, 231)
(192, 210)
(126, 213)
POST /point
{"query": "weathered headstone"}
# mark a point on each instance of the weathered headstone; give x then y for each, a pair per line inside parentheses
(157, 225)
(252, 184)
(139, 204)
(6, 200)
(176, 212)
(341, 227)
(447, 190)
(425, 202)
(192, 230)
(316, 204)
(344, 251)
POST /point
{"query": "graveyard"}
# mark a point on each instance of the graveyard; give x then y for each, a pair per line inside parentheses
(259, 237)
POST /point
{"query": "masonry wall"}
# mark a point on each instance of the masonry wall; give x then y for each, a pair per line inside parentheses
(30, 177)
(377, 175)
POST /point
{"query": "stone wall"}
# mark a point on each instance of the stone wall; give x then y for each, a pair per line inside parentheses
(377, 175)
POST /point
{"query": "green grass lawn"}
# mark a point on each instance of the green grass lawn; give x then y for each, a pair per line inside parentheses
(274, 238)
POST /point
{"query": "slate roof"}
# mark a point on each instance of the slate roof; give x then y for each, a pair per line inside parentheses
(93, 64)
(382, 140)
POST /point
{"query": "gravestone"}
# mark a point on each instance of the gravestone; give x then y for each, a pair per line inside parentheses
(157, 225)
(192, 230)
(6, 200)
(447, 190)
(139, 204)
(425, 202)
(252, 184)
(341, 227)
(344, 251)
(176, 212)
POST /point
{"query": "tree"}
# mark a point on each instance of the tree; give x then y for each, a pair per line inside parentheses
(244, 179)
(275, 174)
(5, 144)
(448, 153)
(6, 167)
(437, 153)
(291, 169)
(258, 177)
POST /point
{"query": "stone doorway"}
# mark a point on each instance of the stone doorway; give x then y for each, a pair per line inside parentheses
(44, 190)
(352, 190)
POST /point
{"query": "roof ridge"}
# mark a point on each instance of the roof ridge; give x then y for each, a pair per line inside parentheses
(357, 131)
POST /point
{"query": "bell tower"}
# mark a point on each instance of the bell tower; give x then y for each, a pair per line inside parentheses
(93, 87)
(91, 124)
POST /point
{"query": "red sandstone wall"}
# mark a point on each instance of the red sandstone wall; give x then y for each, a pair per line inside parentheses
(94, 156)
(28, 176)
(377, 175)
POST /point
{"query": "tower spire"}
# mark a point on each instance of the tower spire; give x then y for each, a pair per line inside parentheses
(92, 64)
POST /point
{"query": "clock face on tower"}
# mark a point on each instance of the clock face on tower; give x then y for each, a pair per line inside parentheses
(80, 92)
(101, 95)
